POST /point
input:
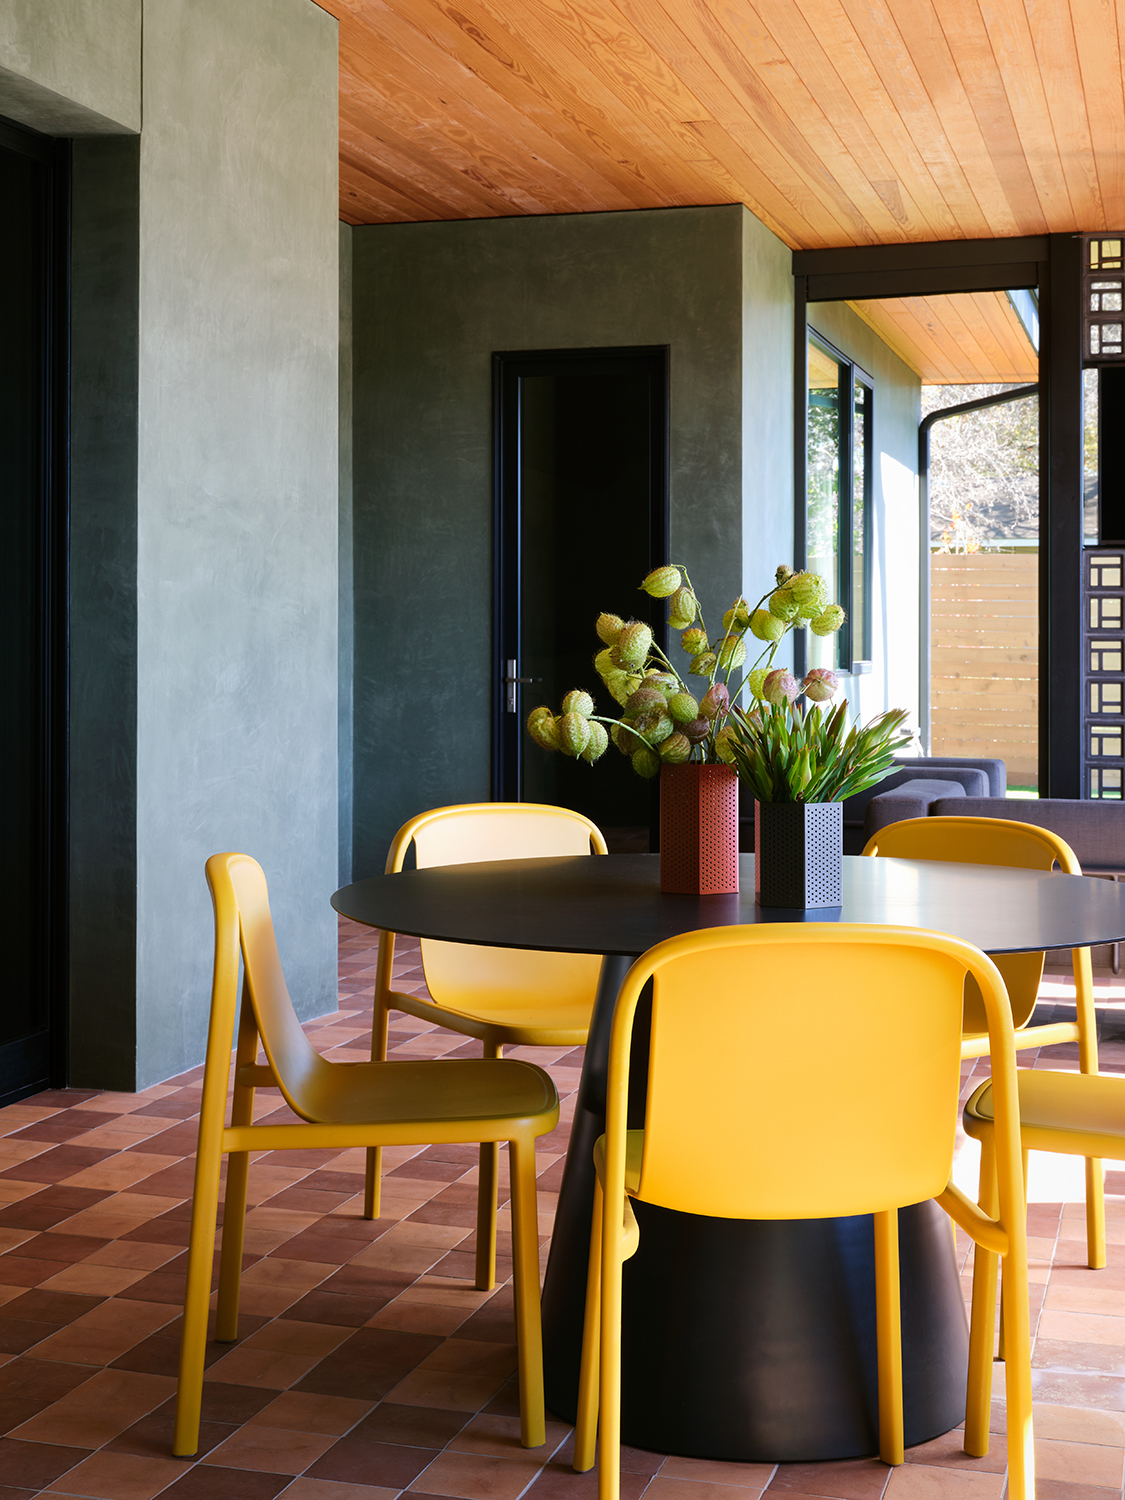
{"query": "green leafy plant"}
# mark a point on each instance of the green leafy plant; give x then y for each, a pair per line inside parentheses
(788, 754)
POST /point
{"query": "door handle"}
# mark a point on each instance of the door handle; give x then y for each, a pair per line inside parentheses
(512, 681)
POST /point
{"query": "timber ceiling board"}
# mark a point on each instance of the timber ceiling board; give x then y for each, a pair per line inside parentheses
(973, 338)
(837, 122)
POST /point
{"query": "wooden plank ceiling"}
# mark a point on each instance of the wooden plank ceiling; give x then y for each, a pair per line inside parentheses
(973, 338)
(837, 122)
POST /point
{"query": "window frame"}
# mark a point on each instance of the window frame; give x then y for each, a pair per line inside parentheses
(848, 638)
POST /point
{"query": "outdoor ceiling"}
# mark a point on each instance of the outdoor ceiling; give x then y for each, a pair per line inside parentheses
(837, 122)
(971, 338)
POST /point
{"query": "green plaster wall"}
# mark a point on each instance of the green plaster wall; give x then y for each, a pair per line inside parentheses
(431, 303)
(346, 672)
(237, 562)
(205, 557)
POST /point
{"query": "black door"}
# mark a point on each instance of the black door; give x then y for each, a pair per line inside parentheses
(33, 178)
(582, 486)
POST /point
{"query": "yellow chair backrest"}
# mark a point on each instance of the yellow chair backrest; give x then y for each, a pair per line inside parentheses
(984, 841)
(798, 1072)
(462, 975)
(242, 915)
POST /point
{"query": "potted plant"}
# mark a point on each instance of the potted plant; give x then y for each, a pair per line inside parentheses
(740, 719)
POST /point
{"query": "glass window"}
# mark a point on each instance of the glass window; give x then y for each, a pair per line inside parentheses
(838, 499)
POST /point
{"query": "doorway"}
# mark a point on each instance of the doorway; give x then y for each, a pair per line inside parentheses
(581, 517)
(33, 181)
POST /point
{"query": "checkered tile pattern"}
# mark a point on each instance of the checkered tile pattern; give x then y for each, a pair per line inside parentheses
(367, 1364)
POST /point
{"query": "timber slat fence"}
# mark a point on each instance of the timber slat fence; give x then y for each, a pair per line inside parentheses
(984, 664)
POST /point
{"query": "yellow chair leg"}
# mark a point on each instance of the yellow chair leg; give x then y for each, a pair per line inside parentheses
(197, 1299)
(609, 1425)
(888, 1325)
(586, 1427)
(1021, 1445)
(380, 1023)
(1002, 1347)
(230, 1257)
(487, 1197)
(1095, 1214)
(372, 1182)
(529, 1328)
(982, 1325)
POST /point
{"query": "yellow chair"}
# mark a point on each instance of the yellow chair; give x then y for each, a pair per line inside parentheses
(499, 995)
(340, 1105)
(1063, 1112)
(840, 1099)
(1000, 841)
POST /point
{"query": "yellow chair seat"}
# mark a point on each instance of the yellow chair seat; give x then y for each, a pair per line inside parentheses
(560, 1025)
(1072, 1113)
(452, 1090)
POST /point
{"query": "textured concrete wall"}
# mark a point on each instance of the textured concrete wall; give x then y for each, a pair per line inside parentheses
(71, 67)
(431, 304)
(896, 408)
(105, 264)
(237, 493)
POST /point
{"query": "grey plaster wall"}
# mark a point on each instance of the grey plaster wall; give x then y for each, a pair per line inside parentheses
(431, 303)
(236, 495)
(71, 67)
(347, 591)
(105, 266)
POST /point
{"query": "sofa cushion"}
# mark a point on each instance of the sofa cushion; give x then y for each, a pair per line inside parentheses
(913, 799)
(1095, 830)
(972, 780)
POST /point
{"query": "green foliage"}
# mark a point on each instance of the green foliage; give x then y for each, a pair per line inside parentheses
(786, 754)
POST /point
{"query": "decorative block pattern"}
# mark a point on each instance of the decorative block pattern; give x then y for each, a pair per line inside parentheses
(1104, 289)
(798, 854)
(1103, 688)
(698, 830)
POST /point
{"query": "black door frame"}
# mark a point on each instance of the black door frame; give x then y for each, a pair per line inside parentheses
(506, 728)
(54, 703)
(1053, 263)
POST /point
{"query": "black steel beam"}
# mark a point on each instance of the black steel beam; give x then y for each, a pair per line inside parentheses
(864, 258)
(921, 281)
(1060, 519)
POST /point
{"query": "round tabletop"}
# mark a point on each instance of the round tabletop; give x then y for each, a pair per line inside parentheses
(612, 904)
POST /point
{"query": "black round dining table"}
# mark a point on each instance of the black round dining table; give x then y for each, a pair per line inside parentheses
(743, 1340)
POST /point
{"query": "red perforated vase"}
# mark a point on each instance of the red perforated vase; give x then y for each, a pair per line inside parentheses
(698, 830)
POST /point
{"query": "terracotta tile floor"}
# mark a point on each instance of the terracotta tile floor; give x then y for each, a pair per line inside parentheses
(367, 1364)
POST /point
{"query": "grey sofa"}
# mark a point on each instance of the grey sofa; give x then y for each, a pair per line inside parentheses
(919, 778)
